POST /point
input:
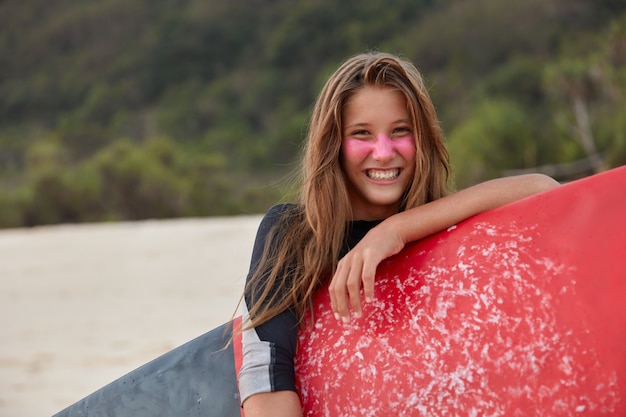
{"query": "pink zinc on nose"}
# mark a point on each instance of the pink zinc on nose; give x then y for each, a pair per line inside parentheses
(380, 148)
(383, 147)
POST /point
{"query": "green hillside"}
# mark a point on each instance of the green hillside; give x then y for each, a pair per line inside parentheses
(115, 109)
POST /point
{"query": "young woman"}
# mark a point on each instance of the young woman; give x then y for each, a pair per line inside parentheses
(374, 177)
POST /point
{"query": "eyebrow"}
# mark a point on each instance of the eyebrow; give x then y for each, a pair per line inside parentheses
(356, 125)
(364, 124)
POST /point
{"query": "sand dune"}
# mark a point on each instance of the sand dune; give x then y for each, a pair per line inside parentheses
(82, 305)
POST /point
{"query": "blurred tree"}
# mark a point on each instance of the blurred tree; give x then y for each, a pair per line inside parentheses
(230, 85)
(573, 83)
(498, 135)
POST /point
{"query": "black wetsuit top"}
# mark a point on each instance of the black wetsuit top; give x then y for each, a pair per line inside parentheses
(269, 349)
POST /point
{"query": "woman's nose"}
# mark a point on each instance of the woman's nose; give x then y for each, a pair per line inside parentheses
(383, 148)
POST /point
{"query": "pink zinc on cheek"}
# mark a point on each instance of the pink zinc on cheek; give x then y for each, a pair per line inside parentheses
(405, 146)
(356, 149)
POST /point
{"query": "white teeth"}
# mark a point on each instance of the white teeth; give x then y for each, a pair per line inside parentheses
(388, 174)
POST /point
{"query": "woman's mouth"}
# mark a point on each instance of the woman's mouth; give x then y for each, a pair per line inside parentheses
(383, 174)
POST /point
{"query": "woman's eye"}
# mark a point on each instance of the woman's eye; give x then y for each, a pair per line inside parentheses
(360, 133)
(402, 130)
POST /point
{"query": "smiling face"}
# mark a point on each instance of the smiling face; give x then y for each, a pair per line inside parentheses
(377, 151)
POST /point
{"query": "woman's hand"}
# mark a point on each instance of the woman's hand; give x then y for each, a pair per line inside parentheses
(358, 269)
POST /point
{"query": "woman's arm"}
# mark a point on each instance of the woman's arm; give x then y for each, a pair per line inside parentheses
(358, 267)
(267, 376)
(273, 404)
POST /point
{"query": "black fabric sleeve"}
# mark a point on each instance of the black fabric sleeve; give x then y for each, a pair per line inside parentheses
(282, 330)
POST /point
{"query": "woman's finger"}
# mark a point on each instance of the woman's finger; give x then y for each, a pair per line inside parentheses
(337, 291)
(353, 286)
(368, 276)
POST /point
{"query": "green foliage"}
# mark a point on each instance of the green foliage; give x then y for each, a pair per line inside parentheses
(11, 212)
(496, 137)
(212, 98)
(125, 181)
(519, 79)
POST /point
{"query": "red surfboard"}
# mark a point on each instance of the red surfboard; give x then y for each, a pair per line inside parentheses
(515, 312)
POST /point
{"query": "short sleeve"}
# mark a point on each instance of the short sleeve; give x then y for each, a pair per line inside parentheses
(268, 349)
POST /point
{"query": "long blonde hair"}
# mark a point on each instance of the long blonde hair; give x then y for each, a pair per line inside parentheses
(301, 251)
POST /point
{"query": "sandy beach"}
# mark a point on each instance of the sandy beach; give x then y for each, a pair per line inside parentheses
(81, 305)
